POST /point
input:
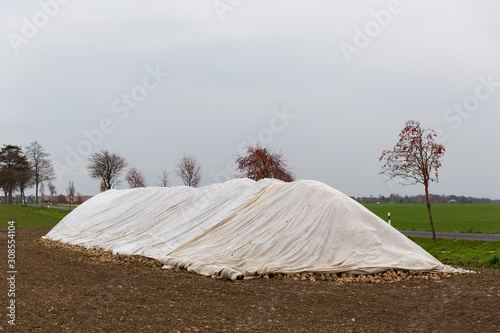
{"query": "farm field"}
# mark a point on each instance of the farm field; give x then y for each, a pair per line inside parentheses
(64, 289)
(447, 217)
(61, 289)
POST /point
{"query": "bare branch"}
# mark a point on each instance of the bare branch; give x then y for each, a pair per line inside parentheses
(189, 170)
(164, 178)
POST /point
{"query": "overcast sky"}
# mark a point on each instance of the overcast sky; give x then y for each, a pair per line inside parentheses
(329, 83)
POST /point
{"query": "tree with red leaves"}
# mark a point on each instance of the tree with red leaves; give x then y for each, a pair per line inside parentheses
(260, 163)
(416, 158)
(135, 178)
(189, 170)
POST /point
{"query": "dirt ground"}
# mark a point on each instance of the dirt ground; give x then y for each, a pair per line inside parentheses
(61, 289)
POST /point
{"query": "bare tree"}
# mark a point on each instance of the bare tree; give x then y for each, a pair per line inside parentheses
(70, 191)
(135, 178)
(53, 191)
(43, 170)
(42, 192)
(106, 167)
(164, 178)
(416, 158)
(189, 170)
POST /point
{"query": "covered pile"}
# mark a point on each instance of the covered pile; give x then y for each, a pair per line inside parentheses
(243, 228)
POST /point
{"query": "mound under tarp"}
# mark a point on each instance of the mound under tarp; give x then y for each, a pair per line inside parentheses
(244, 228)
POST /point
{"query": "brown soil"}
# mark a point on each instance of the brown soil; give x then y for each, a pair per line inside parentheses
(62, 288)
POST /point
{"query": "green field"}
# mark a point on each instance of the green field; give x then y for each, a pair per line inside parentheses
(447, 217)
(30, 217)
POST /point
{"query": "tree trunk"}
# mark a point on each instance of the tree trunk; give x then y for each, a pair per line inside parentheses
(430, 213)
(10, 196)
(36, 192)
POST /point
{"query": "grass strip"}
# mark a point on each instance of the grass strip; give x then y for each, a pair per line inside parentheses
(462, 252)
(52, 212)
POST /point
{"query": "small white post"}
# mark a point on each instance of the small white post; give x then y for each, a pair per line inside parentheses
(389, 218)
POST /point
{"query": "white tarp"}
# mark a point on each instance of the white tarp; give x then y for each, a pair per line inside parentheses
(152, 221)
(244, 228)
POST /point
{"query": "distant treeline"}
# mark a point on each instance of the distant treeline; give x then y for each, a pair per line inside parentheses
(420, 199)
